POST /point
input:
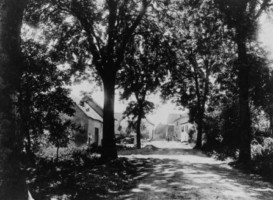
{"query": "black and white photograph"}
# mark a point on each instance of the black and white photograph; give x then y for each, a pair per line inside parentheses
(136, 99)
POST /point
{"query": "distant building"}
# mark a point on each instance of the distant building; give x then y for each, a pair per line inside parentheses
(178, 128)
(88, 117)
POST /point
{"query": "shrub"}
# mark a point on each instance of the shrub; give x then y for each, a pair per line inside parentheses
(262, 158)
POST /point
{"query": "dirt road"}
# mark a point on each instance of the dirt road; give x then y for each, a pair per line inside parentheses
(179, 172)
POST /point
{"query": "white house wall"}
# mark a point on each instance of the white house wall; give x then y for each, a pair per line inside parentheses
(180, 124)
(81, 120)
(92, 124)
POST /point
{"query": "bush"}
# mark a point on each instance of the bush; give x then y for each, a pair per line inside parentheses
(262, 158)
(67, 153)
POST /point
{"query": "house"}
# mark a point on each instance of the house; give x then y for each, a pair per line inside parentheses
(178, 128)
(170, 129)
(88, 117)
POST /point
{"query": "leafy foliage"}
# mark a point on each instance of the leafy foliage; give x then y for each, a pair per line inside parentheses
(203, 48)
(93, 34)
(145, 68)
(242, 17)
(43, 97)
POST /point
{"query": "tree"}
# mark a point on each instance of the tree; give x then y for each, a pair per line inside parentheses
(13, 184)
(59, 134)
(202, 49)
(223, 106)
(96, 34)
(261, 85)
(42, 96)
(242, 16)
(145, 68)
(267, 100)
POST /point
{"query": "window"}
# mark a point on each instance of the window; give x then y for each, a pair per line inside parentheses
(187, 128)
(182, 129)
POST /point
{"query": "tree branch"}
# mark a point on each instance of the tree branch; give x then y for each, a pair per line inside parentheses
(265, 4)
(96, 50)
(129, 31)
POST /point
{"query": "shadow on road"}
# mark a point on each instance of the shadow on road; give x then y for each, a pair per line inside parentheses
(189, 174)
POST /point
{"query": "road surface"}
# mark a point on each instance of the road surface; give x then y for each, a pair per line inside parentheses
(179, 172)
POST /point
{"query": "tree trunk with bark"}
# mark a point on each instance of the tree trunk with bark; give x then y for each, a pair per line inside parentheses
(13, 184)
(200, 112)
(244, 109)
(199, 130)
(138, 131)
(109, 151)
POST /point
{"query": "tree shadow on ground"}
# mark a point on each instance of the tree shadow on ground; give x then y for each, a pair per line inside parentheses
(174, 177)
(81, 180)
(162, 174)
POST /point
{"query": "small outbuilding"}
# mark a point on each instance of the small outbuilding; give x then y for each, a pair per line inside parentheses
(88, 117)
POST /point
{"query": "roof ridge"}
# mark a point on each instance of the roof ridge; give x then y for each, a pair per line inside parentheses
(93, 104)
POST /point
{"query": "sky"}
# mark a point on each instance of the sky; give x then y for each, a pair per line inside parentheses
(265, 35)
(160, 114)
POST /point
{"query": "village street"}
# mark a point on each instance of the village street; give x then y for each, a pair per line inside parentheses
(178, 172)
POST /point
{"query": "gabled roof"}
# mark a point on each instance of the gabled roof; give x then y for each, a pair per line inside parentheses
(184, 118)
(90, 101)
(172, 118)
(87, 109)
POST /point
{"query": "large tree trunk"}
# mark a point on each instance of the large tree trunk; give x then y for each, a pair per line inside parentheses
(12, 181)
(138, 132)
(244, 110)
(109, 151)
(25, 128)
(200, 111)
(201, 108)
(199, 130)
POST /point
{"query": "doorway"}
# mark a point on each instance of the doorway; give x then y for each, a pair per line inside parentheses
(97, 136)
